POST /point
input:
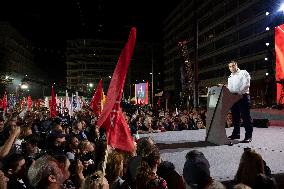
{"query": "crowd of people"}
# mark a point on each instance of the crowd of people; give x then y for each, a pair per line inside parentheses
(39, 152)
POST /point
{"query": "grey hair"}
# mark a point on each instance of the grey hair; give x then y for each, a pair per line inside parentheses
(42, 168)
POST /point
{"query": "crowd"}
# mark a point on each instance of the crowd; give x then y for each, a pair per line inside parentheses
(39, 152)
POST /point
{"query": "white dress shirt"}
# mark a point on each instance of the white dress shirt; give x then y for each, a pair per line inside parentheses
(239, 82)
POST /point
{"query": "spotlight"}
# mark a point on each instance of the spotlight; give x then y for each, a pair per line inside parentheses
(281, 7)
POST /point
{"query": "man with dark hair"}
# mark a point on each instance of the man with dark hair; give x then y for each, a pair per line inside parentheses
(55, 143)
(167, 171)
(239, 83)
(144, 146)
(30, 148)
(14, 169)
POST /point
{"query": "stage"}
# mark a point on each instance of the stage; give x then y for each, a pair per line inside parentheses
(224, 160)
(275, 117)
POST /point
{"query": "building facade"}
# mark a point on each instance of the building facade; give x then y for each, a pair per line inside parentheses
(89, 60)
(17, 63)
(239, 30)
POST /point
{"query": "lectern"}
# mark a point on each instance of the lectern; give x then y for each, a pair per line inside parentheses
(219, 102)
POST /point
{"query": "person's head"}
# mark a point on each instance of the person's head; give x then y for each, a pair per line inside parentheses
(86, 146)
(14, 165)
(84, 124)
(200, 124)
(196, 170)
(165, 168)
(148, 167)
(96, 131)
(263, 181)
(25, 131)
(56, 142)
(251, 164)
(12, 122)
(3, 180)
(47, 172)
(114, 167)
(1, 124)
(95, 181)
(11, 125)
(56, 127)
(32, 142)
(229, 115)
(233, 66)
(77, 126)
(73, 143)
(144, 146)
(241, 186)
(64, 164)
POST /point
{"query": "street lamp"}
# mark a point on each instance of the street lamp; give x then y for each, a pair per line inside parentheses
(24, 86)
(91, 85)
(196, 79)
(152, 74)
(281, 7)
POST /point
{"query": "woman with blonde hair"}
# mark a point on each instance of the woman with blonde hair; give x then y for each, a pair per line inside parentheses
(241, 186)
(86, 146)
(95, 181)
(251, 164)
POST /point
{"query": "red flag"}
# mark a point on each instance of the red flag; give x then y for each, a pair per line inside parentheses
(23, 103)
(5, 101)
(97, 99)
(159, 102)
(30, 102)
(118, 133)
(52, 105)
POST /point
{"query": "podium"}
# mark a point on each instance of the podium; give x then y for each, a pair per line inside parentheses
(219, 102)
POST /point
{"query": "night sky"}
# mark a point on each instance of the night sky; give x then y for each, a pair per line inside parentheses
(48, 23)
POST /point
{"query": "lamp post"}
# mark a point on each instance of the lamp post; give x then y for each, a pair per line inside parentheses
(152, 78)
(196, 80)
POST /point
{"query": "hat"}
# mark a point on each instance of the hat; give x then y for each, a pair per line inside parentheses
(196, 171)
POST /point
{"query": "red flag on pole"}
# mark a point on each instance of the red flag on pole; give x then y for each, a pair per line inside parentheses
(30, 102)
(97, 99)
(5, 102)
(118, 133)
(52, 105)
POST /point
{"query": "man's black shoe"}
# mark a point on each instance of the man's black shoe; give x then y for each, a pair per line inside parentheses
(232, 137)
(247, 140)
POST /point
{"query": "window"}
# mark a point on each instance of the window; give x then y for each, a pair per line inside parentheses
(245, 32)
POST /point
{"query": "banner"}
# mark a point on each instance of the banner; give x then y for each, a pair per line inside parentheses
(279, 51)
(141, 93)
